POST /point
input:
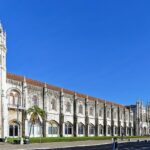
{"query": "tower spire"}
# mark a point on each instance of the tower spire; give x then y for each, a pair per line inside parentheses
(1, 27)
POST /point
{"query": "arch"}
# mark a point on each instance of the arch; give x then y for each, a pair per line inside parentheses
(15, 121)
(80, 109)
(144, 131)
(53, 128)
(13, 89)
(128, 130)
(109, 130)
(14, 128)
(116, 130)
(35, 130)
(81, 128)
(101, 129)
(68, 128)
(14, 97)
(91, 129)
(122, 130)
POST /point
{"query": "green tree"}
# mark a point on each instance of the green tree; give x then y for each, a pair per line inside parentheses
(35, 114)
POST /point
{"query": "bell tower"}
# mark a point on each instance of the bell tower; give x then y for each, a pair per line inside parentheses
(3, 100)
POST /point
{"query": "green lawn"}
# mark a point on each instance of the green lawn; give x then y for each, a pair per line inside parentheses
(69, 139)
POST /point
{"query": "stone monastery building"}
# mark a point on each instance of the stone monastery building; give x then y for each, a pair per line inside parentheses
(68, 113)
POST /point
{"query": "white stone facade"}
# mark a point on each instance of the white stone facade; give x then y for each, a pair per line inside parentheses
(68, 113)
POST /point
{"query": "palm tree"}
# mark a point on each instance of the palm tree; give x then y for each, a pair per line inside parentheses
(35, 114)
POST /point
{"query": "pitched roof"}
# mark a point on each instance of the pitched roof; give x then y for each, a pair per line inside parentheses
(52, 87)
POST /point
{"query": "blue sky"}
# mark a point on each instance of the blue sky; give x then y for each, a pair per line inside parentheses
(100, 48)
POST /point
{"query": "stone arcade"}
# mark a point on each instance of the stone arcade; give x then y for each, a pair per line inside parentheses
(68, 113)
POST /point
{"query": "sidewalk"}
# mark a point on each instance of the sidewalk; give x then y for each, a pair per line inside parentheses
(7, 146)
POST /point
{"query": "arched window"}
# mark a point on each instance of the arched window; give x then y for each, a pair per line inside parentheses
(108, 114)
(36, 129)
(68, 128)
(144, 130)
(131, 117)
(14, 98)
(115, 115)
(126, 117)
(68, 107)
(91, 129)
(91, 111)
(13, 129)
(100, 112)
(35, 100)
(122, 130)
(81, 129)
(80, 109)
(116, 130)
(101, 129)
(121, 115)
(128, 130)
(54, 105)
(109, 130)
(53, 128)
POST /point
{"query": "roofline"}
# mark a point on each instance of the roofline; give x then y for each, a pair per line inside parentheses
(52, 87)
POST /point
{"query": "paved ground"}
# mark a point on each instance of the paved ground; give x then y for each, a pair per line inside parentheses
(122, 146)
(83, 145)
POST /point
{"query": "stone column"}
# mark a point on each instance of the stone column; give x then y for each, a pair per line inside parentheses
(112, 120)
(137, 120)
(105, 120)
(96, 118)
(75, 116)
(86, 118)
(25, 105)
(119, 123)
(61, 118)
(4, 114)
(45, 104)
(125, 125)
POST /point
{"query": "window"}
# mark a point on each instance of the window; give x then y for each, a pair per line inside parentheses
(68, 107)
(128, 130)
(126, 117)
(13, 129)
(91, 111)
(11, 99)
(53, 128)
(80, 109)
(35, 100)
(68, 128)
(100, 113)
(116, 130)
(121, 115)
(80, 129)
(131, 117)
(53, 103)
(91, 129)
(100, 129)
(36, 129)
(122, 130)
(109, 130)
(108, 114)
(14, 98)
(115, 115)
